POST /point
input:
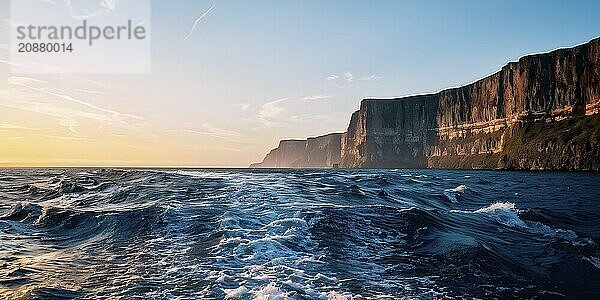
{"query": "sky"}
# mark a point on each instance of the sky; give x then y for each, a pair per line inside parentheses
(251, 73)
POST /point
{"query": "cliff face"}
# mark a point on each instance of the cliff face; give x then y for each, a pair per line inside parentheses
(469, 126)
(318, 152)
(284, 156)
(540, 112)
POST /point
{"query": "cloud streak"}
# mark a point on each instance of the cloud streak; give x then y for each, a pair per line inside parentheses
(350, 78)
(316, 97)
(195, 24)
(372, 77)
(270, 111)
(212, 131)
(10, 127)
(32, 95)
(7, 62)
(208, 129)
(273, 111)
(26, 83)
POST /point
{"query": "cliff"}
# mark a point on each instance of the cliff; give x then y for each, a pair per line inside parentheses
(318, 152)
(507, 120)
(539, 112)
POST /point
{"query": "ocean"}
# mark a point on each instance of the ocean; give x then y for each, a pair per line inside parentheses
(298, 234)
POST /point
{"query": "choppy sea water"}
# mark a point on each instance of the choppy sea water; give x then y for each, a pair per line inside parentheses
(298, 234)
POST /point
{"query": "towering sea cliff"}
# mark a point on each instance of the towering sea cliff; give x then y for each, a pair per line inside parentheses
(536, 113)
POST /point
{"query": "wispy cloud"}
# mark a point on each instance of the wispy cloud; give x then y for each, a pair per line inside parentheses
(270, 110)
(332, 77)
(86, 91)
(316, 97)
(349, 77)
(273, 111)
(208, 129)
(11, 127)
(110, 4)
(21, 80)
(7, 62)
(26, 82)
(69, 138)
(198, 21)
(309, 117)
(34, 95)
(372, 77)
(212, 131)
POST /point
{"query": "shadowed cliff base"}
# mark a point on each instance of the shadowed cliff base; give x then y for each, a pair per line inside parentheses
(567, 145)
(537, 113)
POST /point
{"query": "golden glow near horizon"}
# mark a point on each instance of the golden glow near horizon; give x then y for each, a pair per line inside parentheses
(34, 136)
(56, 121)
(44, 126)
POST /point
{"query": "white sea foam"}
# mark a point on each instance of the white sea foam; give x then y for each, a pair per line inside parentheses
(288, 222)
(451, 193)
(270, 292)
(198, 173)
(337, 296)
(459, 189)
(236, 293)
(496, 206)
(503, 213)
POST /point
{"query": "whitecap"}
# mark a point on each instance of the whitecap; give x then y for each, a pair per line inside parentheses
(503, 213)
(496, 206)
(459, 189)
(236, 293)
(333, 295)
(451, 193)
(270, 292)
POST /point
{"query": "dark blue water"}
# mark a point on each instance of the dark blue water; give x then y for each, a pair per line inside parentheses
(299, 234)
